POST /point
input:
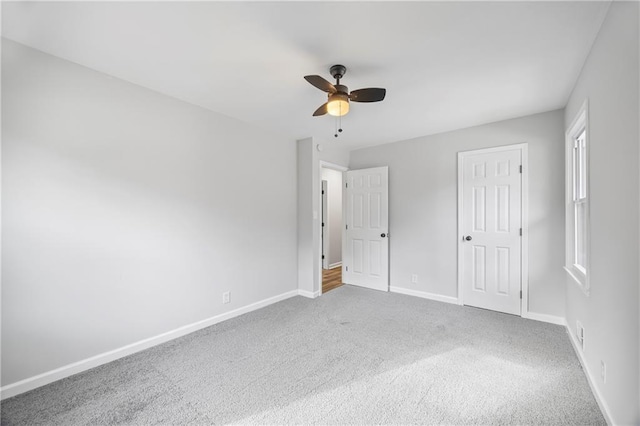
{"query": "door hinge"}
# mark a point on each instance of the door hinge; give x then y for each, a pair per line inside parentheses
(520, 294)
(520, 230)
(346, 185)
(347, 268)
(323, 192)
(346, 227)
(520, 168)
(323, 257)
(323, 227)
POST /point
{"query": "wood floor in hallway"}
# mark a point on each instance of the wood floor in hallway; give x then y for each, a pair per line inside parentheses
(331, 278)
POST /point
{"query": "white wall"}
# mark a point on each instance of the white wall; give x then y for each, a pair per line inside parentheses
(305, 215)
(609, 80)
(423, 205)
(127, 213)
(334, 207)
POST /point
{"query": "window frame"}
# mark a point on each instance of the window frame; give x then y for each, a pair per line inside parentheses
(577, 194)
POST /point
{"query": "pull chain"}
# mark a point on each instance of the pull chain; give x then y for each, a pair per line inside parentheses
(339, 123)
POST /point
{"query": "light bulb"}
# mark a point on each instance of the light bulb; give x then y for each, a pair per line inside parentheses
(338, 104)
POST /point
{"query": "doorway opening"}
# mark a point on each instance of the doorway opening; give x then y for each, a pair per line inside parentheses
(331, 226)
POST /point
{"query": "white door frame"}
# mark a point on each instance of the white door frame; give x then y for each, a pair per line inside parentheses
(524, 241)
(324, 224)
(326, 165)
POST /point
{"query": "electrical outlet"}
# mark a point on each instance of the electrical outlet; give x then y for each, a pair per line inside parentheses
(414, 278)
(603, 371)
(226, 297)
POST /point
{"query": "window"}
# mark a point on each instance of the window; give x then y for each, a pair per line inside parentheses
(577, 195)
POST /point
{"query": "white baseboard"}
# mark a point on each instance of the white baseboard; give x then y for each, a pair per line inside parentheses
(544, 318)
(424, 295)
(309, 294)
(591, 380)
(77, 367)
(335, 265)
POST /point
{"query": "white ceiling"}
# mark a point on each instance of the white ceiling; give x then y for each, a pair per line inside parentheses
(445, 65)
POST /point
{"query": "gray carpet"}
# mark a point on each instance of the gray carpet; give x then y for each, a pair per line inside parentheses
(353, 356)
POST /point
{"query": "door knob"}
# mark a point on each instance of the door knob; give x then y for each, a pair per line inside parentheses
(468, 238)
(383, 235)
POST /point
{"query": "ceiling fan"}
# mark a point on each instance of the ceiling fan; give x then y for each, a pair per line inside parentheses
(339, 96)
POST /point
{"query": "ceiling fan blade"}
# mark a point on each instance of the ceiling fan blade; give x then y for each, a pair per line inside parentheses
(321, 111)
(320, 83)
(372, 94)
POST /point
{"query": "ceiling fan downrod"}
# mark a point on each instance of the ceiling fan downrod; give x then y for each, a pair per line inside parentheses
(337, 72)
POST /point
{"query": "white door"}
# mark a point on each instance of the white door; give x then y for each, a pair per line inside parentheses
(325, 225)
(366, 244)
(491, 230)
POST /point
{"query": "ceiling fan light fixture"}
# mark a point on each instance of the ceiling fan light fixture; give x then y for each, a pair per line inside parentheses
(338, 104)
(339, 96)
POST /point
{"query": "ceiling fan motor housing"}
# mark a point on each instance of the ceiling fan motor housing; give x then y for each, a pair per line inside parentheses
(340, 88)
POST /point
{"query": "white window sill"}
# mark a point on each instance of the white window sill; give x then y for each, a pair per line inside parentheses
(581, 285)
